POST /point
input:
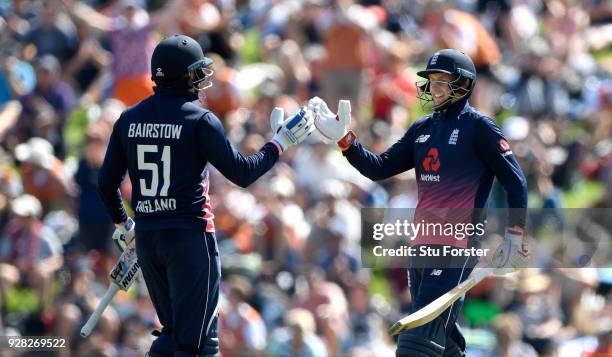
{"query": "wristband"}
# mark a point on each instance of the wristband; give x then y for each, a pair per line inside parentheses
(347, 140)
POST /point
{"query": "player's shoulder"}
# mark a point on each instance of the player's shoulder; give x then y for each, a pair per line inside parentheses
(206, 119)
(422, 122)
(419, 126)
(480, 120)
(195, 107)
(200, 113)
(134, 111)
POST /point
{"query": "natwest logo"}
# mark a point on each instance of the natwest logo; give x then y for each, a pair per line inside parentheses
(431, 165)
(432, 161)
(430, 178)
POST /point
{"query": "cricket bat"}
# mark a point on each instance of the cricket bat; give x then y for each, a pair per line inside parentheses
(122, 276)
(436, 307)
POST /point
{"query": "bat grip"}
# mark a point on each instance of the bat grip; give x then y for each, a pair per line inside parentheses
(93, 319)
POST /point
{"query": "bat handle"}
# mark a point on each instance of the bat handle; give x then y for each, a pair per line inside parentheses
(93, 319)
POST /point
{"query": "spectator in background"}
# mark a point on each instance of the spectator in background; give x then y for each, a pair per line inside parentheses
(327, 302)
(52, 34)
(223, 98)
(43, 174)
(604, 343)
(336, 259)
(538, 310)
(10, 186)
(508, 333)
(20, 17)
(95, 226)
(393, 85)
(453, 28)
(242, 331)
(286, 54)
(347, 46)
(9, 113)
(282, 244)
(90, 63)
(204, 21)
(134, 337)
(76, 301)
(30, 248)
(365, 322)
(129, 27)
(46, 110)
(198, 17)
(17, 77)
(298, 338)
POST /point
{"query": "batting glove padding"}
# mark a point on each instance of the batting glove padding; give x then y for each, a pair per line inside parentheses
(124, 234)
(293, 130)
(513, 253)
(332, 126)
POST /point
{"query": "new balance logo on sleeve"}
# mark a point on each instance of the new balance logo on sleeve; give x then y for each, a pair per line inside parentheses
(421, 139)
(436, 272)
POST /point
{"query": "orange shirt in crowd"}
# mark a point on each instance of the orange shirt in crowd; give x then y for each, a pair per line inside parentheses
(346, 46)
(459, 24)
(46, 185)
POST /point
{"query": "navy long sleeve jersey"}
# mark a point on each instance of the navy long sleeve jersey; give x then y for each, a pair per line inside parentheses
(455, 155)
(165, 143)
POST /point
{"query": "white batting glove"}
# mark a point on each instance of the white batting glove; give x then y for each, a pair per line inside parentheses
(513, 252)
(293, 130)
(332, 126)
(124, 234)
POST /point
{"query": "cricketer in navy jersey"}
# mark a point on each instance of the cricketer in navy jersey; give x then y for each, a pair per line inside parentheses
(165, 143)
(456, 153)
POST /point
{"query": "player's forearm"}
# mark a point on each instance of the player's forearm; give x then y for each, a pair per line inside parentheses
(244, 170)
(108, 189)
(517, 216)
(372, 166)
(113, 204)
(110, 176)
(515, 185)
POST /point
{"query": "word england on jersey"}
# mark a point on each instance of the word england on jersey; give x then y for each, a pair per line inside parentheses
(156, 205)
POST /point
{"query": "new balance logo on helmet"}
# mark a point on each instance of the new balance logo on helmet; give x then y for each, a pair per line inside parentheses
(436, 272)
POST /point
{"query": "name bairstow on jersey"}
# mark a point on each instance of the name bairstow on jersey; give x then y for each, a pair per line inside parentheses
(149, 130)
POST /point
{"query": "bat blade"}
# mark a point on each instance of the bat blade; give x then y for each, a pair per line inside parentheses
(436, 307)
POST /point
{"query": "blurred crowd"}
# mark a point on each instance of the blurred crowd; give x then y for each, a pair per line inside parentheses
(293, 284)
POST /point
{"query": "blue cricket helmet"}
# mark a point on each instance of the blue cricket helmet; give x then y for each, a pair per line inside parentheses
(179, 62)
(453, 62)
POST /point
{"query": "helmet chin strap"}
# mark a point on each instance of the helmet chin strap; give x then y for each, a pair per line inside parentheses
(444, 104)
(448, 102)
